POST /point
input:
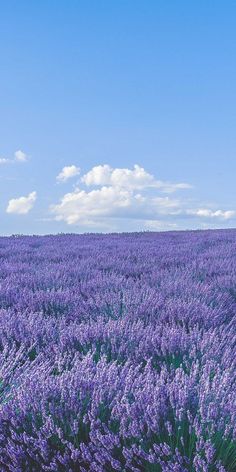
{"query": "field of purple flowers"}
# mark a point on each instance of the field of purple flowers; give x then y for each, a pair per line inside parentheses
(118, 352)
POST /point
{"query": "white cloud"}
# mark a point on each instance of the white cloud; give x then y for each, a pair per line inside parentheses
(21, 205)
(20, 156)
(67, 173)
(136, 178)
(207, 213)
(82, 207)
(3, 160)
(98, 175)
(122, 197)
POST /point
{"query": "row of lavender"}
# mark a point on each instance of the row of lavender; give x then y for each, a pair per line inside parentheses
(118, 352)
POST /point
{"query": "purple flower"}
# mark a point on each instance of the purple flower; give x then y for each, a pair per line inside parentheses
(118, 352)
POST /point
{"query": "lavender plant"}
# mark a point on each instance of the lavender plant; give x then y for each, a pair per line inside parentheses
(118, 352)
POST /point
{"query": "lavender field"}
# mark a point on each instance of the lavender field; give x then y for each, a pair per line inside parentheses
(117, 352)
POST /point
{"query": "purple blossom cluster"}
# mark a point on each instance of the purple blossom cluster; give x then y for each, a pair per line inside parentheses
(118, 352)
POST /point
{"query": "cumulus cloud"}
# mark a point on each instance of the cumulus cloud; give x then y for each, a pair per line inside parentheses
(207, 213)
(115, 195)
(82, 207)
(21, 205)
(122, 193)
(67, 173)
(135, 179)
(20, 156)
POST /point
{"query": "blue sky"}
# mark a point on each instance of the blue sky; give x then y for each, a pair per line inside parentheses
(100, 87)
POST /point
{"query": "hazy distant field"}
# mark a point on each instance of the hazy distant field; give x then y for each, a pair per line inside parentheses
(118, 352)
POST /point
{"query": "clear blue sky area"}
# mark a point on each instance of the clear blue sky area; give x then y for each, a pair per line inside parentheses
(117, 83)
